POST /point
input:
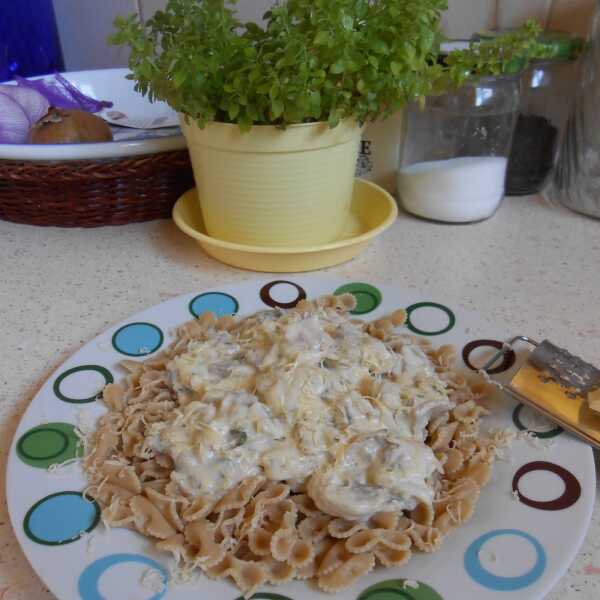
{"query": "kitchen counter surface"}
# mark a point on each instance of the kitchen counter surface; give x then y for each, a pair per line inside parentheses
(533, 268)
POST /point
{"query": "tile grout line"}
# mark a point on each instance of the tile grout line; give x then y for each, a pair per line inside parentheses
(138, 8)
(493, 18)
(550, 13)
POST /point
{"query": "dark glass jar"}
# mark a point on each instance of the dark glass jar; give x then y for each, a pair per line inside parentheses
(547, 92)
(29, 43)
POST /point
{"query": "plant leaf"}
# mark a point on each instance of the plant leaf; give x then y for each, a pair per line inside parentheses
(322, 38)
(234, 111)
(338, 67)
(276, 108)
(379, 46)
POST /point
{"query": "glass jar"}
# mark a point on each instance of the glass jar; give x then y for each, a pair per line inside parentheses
(547, 94)
(576, 181)
(455, 152)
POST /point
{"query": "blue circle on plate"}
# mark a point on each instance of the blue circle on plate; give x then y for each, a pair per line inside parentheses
(487, 579)
(215, 302)
(90, 577)
(138, 339)
(60, 518)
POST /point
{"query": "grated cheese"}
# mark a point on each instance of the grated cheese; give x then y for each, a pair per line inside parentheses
(57, 468)
(486, 376)
(535, 442)
(153, 580)
(90, 539)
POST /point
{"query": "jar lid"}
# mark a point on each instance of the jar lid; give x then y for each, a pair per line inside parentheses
(562, 45)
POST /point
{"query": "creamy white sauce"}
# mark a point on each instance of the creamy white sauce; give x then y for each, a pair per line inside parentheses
(284, 396)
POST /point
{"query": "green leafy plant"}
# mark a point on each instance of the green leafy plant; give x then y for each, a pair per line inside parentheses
(506, 53)
(315, 60)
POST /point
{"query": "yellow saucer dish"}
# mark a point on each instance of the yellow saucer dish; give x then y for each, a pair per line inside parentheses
(373, 211)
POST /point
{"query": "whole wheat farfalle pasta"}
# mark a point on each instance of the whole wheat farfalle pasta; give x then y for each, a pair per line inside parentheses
(240, 449)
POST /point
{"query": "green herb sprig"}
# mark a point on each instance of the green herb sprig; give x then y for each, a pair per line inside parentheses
(506, 53)
(315, 60)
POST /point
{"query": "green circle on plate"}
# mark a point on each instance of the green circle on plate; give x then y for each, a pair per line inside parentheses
(395, 589)
(544, 435)
(411, 309)
(43, 443)
(48, 444)
(108, 378)
(368, 297)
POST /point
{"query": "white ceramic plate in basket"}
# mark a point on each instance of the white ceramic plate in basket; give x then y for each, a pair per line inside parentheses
(110, 84)
(511, 549)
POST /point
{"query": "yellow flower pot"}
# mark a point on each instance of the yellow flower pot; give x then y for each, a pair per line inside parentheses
(274, 187)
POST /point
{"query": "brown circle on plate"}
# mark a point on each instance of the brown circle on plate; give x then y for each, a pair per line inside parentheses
(507, 362)
(265, 295)
(566, 500)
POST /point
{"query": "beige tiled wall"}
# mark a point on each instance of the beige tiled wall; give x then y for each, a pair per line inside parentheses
(84, 24)
(467, 16)
(512, 13)
(464, 17)
(572, 15)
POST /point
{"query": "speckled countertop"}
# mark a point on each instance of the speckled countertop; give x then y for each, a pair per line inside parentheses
(533, 268)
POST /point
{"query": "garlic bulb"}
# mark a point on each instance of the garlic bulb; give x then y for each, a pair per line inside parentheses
(13, 121)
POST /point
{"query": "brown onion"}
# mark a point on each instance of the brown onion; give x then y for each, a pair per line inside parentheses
(69, 127)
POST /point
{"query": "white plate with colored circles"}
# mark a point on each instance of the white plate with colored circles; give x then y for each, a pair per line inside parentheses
(528, 525)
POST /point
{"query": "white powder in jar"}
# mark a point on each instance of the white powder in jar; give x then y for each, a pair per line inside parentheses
(458, 190)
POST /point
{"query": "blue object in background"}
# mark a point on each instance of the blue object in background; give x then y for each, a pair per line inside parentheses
(29, 43)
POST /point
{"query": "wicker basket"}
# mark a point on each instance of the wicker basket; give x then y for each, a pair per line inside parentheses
(92, 193)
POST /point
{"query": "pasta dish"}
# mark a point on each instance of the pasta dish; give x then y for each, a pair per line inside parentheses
(292, 444)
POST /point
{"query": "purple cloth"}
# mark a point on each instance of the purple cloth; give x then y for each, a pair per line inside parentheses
(63, 94)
